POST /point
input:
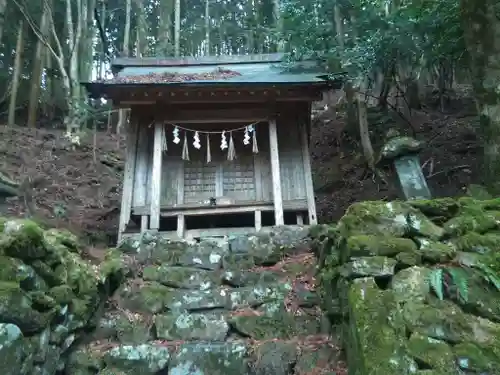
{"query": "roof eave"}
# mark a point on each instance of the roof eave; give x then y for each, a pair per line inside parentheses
(97, 89)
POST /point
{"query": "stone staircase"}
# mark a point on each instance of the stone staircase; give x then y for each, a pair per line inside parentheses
(244, 305)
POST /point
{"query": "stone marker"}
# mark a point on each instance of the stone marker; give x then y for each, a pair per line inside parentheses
(403, 153)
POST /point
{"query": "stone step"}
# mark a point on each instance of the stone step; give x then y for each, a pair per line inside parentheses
(280, 357)
(245, 305)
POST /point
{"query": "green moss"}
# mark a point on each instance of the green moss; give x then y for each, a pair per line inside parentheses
(374, 217)
(16, 307)
(47, 273)
(63, 237)
(477, 358)
(62, 294)
(365, 245)
(433, 353)
(2, 223)
(408, 259)
(477, 243)
(434, 251)
(440, 207)
(41, 301)
(22, 239)
(374, 341)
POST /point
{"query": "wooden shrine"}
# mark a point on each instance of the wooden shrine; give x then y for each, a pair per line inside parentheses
(215, 145)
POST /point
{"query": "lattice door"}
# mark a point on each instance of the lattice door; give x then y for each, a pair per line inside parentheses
(239, 180)
(199, 181)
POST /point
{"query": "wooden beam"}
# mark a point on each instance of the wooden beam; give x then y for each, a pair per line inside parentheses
(275, 174)
(239, 207)
(154, 222)
(128, 178)
(306, 158)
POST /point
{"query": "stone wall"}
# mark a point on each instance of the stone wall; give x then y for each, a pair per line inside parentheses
(415, 286)
(48, 296)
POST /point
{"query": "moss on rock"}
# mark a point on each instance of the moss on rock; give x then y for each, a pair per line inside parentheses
(22, 239)
(370, 245)
(432, 353)
(375, 342)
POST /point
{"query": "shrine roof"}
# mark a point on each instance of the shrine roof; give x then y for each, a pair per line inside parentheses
(263, 70)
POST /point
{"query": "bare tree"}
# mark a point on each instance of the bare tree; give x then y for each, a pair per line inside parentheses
(17, 74)
(177, 32)
(67, 65)
(122, 113)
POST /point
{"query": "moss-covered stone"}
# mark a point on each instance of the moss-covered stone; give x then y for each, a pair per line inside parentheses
(251, 278)
(257, 295)
(211, 358)
(368, 266)
(472, 218)
(445, 321)
(434, 251)
(432, 353)
(405, 260)
(411, 284)
(182, 277)
(277, 324)
(16, 307)
(84, 361)
(15, 270)
(440, 207)
(62, 294)
(375, 338)
(477, 358)
(140, 359)
(22, 239)
(274, 358)
(477, 243)
(12, 349)
(366, 245)
(185, 326)
(386, 218)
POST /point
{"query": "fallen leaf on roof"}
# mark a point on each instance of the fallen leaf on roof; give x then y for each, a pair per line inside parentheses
(169, 77)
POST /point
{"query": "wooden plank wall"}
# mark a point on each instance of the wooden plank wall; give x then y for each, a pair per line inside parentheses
(246, 178)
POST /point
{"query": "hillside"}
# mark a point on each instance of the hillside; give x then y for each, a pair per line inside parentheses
(80, 188)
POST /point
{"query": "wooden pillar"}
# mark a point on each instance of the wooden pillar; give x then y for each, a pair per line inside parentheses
(154, 222)
(128, 176)
(306, 158)
(181, 220)
(275, 173)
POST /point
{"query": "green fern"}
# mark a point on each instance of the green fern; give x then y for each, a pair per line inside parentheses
(458, 278)
(489, 275)
(436, 282)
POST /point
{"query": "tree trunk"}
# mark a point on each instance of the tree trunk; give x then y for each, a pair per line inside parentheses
(207, 27)
(16, 76)
(122, 113)
(482, 35)
(36, 74)
(3, 6)
(142, 28)
(103, 46)
(278, 21)
(364, 131)
(177, 32)
(164, 37)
